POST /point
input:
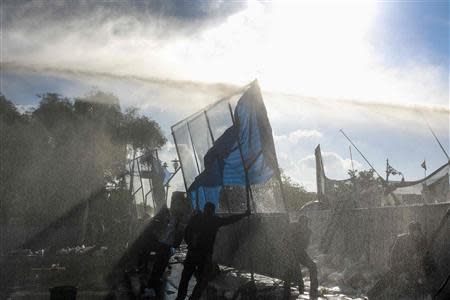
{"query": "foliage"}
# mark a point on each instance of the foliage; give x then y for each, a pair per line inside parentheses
(141, 132)
(8, 111)
(295, 194)
(362, 190)
(65, 151)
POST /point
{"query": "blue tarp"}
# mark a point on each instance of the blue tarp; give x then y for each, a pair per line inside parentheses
(226, 164)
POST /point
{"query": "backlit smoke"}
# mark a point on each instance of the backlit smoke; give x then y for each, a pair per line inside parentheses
(218, 42)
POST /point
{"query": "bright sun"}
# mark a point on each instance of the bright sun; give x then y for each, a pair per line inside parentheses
(290, 46)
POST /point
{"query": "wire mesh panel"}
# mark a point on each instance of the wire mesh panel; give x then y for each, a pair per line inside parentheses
(185, 152)
(201, 138)
(227, 155)
(233, 101)
(219, 118)
(268, 197)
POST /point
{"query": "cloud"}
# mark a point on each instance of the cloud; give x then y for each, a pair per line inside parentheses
(298, 135)
(315, 65)
(304, 170)
(183, 13)
(24, 108)
(289, 112)
(381, 130)
(171, 100)
(219, 42)
(336, 166)
(130, 37)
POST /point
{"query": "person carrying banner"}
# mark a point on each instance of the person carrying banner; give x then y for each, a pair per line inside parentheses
(298, 236)
(200, 235)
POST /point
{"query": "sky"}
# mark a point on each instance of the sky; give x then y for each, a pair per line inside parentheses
(377, 69)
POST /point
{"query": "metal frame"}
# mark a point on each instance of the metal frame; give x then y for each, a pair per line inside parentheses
(192, 117)
(193, 148)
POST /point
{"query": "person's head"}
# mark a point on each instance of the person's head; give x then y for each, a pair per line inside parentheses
(209, 209)
(415, 230)
(178, 195)
(178, 203)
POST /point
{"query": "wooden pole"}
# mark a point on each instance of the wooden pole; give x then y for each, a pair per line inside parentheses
(132, 172)
(144, 201)
(425, 169)
(351, 158)
(247, 186)
(387, 170)
(436, 138)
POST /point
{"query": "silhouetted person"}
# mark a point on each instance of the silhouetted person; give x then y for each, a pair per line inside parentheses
(411, 266)
(170, 237)
(200, 235)
(299, 236)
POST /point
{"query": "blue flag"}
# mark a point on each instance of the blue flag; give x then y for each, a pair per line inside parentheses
(243, 155)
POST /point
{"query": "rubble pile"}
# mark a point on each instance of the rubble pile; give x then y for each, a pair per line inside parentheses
(345, 275)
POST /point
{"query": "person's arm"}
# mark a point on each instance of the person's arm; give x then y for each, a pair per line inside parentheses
(232, 219)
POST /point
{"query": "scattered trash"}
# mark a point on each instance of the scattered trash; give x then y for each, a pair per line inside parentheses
(77, 250)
